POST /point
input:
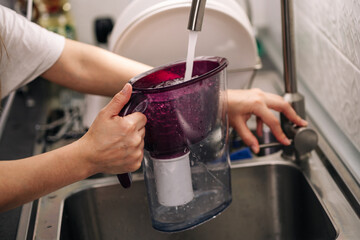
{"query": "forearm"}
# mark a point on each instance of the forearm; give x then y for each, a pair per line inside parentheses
(90, 69)
(27, 179)
(112, 145)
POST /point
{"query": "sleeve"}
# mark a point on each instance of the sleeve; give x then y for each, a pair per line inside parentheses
(28, 50)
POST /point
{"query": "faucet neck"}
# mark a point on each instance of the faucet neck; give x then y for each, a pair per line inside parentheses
(288, 46)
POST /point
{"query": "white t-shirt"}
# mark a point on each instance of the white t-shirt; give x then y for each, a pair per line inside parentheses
(29, 50)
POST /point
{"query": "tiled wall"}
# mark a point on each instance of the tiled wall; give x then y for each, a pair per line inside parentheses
(327, 34)
(328, 58)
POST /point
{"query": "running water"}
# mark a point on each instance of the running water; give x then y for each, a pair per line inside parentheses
(190, 55)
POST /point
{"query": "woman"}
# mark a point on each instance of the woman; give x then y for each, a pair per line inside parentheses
(113, 144)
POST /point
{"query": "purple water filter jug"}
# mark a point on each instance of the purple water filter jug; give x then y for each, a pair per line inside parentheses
(186, 160)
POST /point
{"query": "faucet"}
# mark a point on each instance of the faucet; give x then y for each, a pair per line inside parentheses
(304, 138)
(196, 15)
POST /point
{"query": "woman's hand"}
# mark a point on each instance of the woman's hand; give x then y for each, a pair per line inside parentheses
(243, 103)
(115, 144)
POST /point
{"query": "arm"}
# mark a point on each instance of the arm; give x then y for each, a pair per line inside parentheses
(89, 69)
(243, 103)
(113, 144)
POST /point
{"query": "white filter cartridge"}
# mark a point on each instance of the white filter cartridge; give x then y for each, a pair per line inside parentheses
(173, 180)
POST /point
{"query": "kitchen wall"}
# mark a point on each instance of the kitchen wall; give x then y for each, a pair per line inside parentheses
(85, 12)
(7, 3)
(327, 37)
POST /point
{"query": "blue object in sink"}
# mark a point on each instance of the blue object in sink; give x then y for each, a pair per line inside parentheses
(242, 154)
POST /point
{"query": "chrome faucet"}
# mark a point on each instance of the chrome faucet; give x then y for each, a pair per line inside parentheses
(304, 138)
(196, 15)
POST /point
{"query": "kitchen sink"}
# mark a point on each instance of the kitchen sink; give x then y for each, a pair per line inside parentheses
(271, 200)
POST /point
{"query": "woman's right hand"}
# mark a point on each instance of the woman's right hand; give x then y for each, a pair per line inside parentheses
(115, 144)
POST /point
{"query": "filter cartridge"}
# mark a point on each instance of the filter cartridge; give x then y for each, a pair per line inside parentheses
(173, 180)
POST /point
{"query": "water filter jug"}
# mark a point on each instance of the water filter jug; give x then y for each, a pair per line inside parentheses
(186, 161)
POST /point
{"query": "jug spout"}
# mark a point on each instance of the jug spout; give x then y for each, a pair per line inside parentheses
(196, 15)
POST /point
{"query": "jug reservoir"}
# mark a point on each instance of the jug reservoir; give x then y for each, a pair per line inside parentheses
(186, 165)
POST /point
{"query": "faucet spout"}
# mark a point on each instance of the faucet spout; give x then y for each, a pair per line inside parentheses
(196, 15)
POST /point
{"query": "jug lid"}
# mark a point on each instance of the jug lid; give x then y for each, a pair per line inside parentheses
(175, 71)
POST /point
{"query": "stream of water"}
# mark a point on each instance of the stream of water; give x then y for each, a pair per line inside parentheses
(190, 55)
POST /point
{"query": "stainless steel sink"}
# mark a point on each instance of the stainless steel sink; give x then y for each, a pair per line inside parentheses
(270, 201)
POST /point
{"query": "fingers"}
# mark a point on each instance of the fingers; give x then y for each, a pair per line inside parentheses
(255, 101)
(137, 119)
(246, 135)
(134, 135)
(119, 100)
(116, 144)
(133, 159)
(278, 103)
(142, 132)
(275, 102)
(259, 127)
(269, 119)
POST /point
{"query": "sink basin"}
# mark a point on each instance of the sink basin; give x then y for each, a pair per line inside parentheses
(270, 201)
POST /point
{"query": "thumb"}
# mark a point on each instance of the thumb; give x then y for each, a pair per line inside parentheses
(119, 100)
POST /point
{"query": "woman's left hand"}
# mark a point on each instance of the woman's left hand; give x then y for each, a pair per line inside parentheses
(243, 103)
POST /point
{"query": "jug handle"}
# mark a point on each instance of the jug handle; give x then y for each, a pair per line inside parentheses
(137, 103)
